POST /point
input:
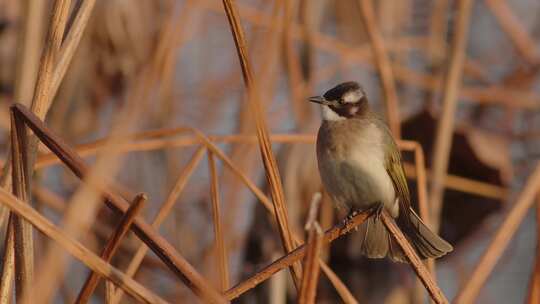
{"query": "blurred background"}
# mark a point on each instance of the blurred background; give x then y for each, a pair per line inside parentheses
(173, 64)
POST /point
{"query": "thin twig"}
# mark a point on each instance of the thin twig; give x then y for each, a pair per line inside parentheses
(109, 292)
(24, 243)
(269, 161)
(70, 44)
(310, 277)
(465, 185)
(421, 183)
(493, 252)
(112, 245)
(41, 100)
(277, 285)
(420, 165)
(218, 232)
(534, 285)
(245, 155)
(8, 264)
(438, 28)
(414, 260)
(445, 128)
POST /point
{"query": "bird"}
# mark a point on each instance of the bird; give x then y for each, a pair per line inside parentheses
(360, 168)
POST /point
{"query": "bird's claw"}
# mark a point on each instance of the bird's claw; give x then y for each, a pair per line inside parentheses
(349, 218)
(379, 208)
(352, 214)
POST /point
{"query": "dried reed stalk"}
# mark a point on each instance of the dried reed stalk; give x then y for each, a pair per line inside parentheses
(24, 243)
(383, 65)
(69, 46)
(421, 184)
(438, 28)
(245, 155)
(329, 236)
(112, 246)
(465, 185)
(78, 250)
(534, 285)
(515, 30)
(41, 99)
(218, 232)
(445, 128)
(310, 277)
(267, 203)
(421, 271)
(469, 291)
(109, 292)
(8, 264)
(534, 288)
(269, 161)
(277, 290)
(162, 214)
(154, 240)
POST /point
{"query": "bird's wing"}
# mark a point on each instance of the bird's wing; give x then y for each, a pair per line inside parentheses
(427, 243)
(394, 168)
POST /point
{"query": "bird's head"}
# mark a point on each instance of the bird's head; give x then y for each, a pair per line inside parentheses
(346, 100)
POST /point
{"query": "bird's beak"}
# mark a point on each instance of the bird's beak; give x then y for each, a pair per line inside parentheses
(319, 99)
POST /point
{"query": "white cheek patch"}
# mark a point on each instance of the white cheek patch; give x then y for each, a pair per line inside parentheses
(329, 114)
(353, 109)
(353, 96)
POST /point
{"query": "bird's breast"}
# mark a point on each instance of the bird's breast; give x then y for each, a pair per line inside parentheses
(352, 164)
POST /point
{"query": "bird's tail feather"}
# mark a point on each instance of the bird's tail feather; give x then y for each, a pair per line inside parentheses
(378, 243)
(426, 242)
